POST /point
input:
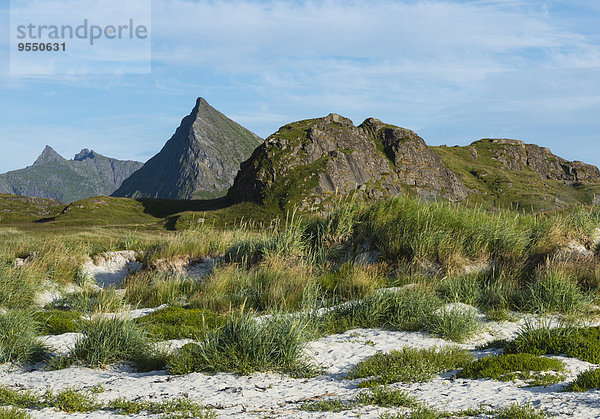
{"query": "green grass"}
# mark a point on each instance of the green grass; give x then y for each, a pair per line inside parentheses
(110, 340)
(20, 209)
(18, 338)
(180, 408)
(244, 345)
(152, 289)
(18, 287)
(552, 291)
(408, 365)
(57, 322)
(534, 370)
(180, 323)
(586, 380)
(456, 324)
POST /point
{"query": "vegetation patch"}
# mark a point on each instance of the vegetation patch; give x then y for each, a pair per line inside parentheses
(586, 380)
(534, 370)
(454, 323)
(377, 396)
(72, 400)
(582, 343)
(409, 365)
(57, 322)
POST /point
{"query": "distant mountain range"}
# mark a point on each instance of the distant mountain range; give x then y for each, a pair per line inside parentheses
(310, 164)
(52, 176)
(199, 161)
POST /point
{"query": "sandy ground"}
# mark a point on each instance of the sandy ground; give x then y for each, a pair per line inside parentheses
(260, 394)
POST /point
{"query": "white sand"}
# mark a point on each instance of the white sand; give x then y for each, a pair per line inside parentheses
(260, 394)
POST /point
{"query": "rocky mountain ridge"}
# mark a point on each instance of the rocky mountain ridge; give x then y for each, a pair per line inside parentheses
(53, 176)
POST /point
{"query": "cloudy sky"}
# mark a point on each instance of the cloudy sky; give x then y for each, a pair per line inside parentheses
(454, 71)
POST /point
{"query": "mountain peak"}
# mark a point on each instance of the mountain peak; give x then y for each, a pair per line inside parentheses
(48, 155)
(84, 154)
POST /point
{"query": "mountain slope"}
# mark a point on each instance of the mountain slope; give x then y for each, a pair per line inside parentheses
(52, 176)
(309, 163)
(199, 161)
(510, 173)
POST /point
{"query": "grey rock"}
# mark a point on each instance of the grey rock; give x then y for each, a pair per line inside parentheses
(199, 161)
(308, 162)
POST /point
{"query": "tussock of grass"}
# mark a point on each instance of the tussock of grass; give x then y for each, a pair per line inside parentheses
(180, 323)
(152, 289)
(110, 340)
(511, 367)
(18, 338)
(582, 343)
(553, 291)
(351, 281)
(18, 287)
(404, 310)
(586, 380)
(244, 345)
(273, 284)
(457, 324)
(409, 365)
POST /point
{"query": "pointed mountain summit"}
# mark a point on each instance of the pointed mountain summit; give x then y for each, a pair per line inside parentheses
(48, 155)
(199, 161)
(53, 176)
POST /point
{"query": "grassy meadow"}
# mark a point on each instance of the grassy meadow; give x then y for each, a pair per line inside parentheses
(282, 280)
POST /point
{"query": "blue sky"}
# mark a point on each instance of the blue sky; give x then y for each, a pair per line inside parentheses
(454, 71)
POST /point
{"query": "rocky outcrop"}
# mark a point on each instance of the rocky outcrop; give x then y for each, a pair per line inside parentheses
(199, 161)
(307, 162)
(52, 176)
(516, 155)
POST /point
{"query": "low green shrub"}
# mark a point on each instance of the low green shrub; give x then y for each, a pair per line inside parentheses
(582, 343)
(586, 380)
(68, 400)
(178, 408)
(385, 397)
(108, 340)
(180, 323)
(244, 345)
(57, 322)
(527, 367)
(13, 413)
(519, 411)
(18, 338)
(409, 365)
(377, 396)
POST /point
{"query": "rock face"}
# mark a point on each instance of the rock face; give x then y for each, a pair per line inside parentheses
(516, 155)
(510, 173)
(199, 161)
(52, 176)
(307, 162)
